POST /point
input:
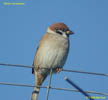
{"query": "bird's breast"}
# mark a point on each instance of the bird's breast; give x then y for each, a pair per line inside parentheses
(52, 53)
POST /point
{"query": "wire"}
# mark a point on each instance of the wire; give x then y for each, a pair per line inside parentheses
(64, 89)
(49, 84)
(65, 70)
(49, 87)
(84, 72)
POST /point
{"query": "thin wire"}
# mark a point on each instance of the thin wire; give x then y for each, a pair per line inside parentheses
(73, 90)
(49, 83)
(16, 65)
(65, 70)
(65, 89)
(21, 85)
(84, 72)
(55, 88)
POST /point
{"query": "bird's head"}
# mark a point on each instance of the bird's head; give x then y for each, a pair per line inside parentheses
(61, 29)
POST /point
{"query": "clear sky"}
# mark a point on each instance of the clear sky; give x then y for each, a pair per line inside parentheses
(21, 28)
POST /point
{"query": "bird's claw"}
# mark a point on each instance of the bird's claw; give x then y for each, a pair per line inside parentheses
(58, 70)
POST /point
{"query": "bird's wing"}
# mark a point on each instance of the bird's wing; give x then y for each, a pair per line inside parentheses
(33, 61)
(41, 41)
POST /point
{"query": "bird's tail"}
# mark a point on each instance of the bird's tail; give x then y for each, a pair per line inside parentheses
(39, 79)
(35, 95)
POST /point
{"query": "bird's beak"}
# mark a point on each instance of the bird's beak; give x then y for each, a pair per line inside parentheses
(69, 32)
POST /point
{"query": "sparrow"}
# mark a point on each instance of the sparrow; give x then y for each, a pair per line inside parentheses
(51, 53)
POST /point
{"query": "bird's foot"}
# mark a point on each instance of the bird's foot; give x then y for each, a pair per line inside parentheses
(58, 69)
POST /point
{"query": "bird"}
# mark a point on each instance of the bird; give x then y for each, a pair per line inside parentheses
(51, 53)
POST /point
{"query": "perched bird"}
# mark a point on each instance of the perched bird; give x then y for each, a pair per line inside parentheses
(51, 53)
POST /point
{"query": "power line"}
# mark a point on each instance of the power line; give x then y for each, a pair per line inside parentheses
(65, 70)
(84, 72)
(64, 89)
(49, 86)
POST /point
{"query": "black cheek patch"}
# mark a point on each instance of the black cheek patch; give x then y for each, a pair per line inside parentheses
(59, 32)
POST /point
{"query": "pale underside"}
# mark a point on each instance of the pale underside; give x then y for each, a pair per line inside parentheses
(51, 53)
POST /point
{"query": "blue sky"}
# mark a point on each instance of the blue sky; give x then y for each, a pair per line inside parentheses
(21, 28)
